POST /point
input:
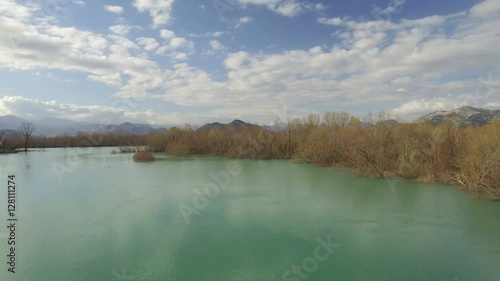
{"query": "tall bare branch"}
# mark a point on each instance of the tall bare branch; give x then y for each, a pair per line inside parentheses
(26, 129)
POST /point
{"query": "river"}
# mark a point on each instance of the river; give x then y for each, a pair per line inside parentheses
(87, 214)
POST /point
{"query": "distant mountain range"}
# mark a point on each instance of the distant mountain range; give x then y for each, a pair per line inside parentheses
(8, 133)
(55, 126)
(463, 116)
(236, 125)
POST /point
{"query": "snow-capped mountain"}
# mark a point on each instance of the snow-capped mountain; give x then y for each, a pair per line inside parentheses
(463, 116)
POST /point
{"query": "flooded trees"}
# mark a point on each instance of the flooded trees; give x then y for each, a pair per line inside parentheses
(26, 129)
(479, 165)
(379, 146)
(1, 139)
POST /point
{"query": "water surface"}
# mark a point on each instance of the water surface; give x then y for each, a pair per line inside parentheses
(108, 218)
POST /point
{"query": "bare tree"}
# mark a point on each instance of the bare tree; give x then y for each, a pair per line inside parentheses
(336, 119)
(312, 120)
(1, 136)
(26, 129)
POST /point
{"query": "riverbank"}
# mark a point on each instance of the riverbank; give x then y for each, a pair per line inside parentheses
(9, 151)
(467, 157)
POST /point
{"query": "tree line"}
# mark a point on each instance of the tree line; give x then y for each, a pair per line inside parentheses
(444, 153)
(26, 130)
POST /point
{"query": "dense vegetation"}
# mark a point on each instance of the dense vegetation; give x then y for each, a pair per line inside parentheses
(469, 157)
(143, 156)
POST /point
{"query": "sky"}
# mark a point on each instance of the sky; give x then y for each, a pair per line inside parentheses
(199, 61)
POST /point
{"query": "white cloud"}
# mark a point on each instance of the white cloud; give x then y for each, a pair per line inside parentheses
(377, 64)
(289, 8)
(315, 7)
(236, 60)
(216, 34)
(26, 108)
(244, 20)
(179, 56)
(53, 77)
(113, 9)
(159, 10)
(11, 10)
(166, 34)
(32, 109)
(121, 46)
(486, 9)
(173, 46)
(357, 70)
(423, 106)
(79, 3)
(207, 34)
(393, 7)
(217, 46)
(332, 21)
(120, 29)
(179, 42)
(419, 107)
(149, 44)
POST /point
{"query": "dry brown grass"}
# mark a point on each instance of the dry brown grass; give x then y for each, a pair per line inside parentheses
(143, 156)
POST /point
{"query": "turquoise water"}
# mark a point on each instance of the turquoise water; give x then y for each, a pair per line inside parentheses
(89, 215)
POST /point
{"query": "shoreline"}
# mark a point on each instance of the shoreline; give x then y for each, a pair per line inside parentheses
(479, 194)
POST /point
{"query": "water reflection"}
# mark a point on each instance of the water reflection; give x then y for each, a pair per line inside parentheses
(111, 213)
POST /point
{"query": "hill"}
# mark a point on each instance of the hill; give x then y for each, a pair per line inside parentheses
(236, 125)
(10, 122)
(463, 116)
(56, 126)
(9, 133)
(134, 129)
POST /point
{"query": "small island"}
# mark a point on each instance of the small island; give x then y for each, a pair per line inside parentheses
(143, 156)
